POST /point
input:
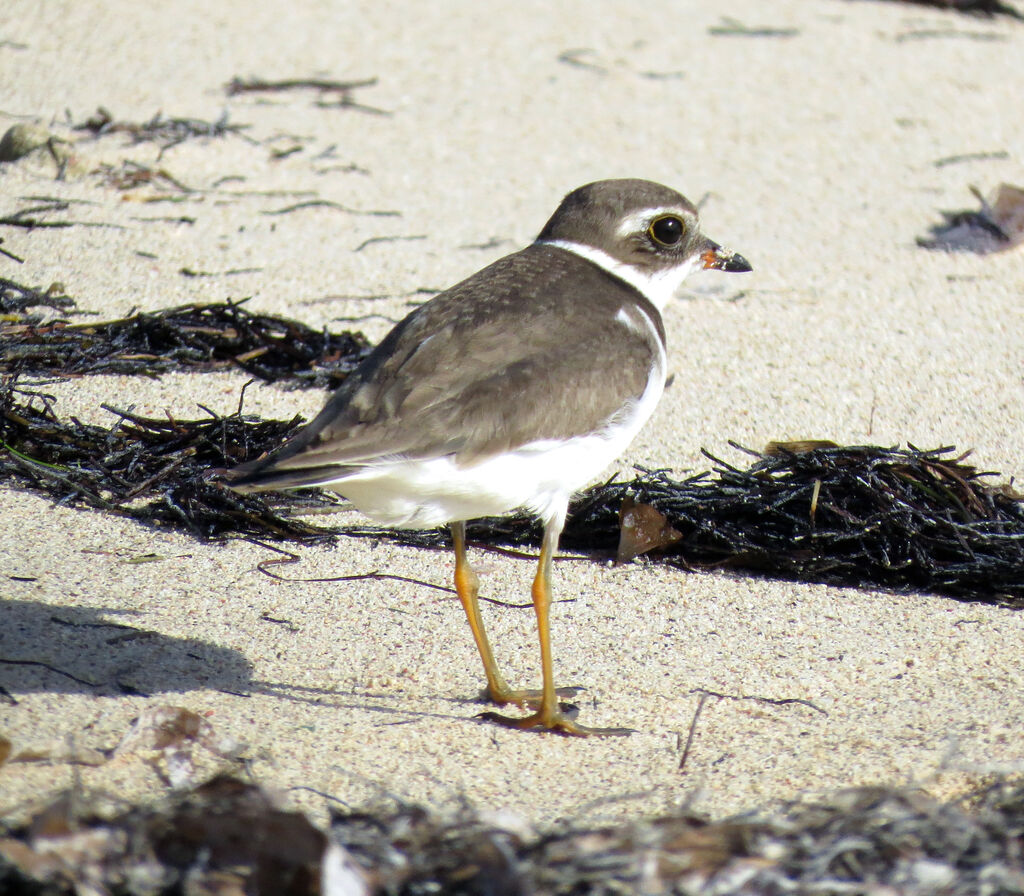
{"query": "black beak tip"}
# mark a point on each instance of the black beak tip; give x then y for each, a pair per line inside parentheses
(736, 264)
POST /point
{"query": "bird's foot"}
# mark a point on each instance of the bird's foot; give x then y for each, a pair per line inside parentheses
(553, 720)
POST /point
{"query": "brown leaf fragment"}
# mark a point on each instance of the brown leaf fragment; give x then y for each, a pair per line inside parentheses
(642, 528)
(160, 727)
(997, 226)
(1008, 212)
(229, 827)
(172, 738)
(801, 446)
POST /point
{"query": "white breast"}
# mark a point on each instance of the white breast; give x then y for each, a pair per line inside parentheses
(658, 287)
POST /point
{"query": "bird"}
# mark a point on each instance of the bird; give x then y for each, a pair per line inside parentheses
(511, 391)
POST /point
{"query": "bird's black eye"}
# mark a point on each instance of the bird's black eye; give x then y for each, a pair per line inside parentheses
(666, 230)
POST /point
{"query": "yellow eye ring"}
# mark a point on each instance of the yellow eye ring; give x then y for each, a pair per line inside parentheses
(666, 230)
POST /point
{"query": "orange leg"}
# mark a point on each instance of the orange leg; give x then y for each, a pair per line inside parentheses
(549, 713)
(467, 585)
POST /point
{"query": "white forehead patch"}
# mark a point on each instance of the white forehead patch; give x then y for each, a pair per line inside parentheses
(658, 287)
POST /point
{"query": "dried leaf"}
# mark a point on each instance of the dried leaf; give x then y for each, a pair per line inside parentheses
(996, 227)
(1008, 212)
(168, 738)
(642, 528)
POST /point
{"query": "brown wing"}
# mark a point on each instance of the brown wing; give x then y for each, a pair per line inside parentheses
(503, 359)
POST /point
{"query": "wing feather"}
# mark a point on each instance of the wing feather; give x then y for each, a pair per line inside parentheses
(442, 382)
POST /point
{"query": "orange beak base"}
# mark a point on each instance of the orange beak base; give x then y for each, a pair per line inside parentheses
(723, 260)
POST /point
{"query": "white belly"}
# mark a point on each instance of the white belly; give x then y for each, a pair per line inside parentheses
(539, 477)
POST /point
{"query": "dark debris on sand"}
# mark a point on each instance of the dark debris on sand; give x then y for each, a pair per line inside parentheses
(15, 301)
(975, 7)
(194, 337)
(856, 516)
(229, 837)
(167, 132)
(863, 840)
(996, 226)
(157, 471)
(862, 516)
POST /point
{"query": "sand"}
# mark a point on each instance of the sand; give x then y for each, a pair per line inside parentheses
(814, 152)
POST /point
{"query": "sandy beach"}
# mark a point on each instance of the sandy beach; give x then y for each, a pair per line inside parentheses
(820, 138)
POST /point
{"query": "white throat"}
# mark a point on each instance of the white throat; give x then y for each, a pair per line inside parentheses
(658, 287)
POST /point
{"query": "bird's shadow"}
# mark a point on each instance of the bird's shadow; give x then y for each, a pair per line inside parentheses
(97, 651)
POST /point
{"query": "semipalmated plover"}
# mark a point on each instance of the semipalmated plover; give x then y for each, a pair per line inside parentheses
(513, 389)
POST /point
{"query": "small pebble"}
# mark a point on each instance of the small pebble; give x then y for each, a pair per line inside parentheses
(20, 140)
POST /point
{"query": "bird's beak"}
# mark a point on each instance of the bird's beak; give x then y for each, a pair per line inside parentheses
(714, 256)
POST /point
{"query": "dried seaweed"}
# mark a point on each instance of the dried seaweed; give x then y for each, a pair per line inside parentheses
(190, 337)
(156, 471)
(167, 132)
(860, 516)
(225, 836)
(27, 218)
(8, 254)
(889, 517)
(974, 7)
(340, 91)
(855, 841)
(131, 175)
(734, 28)
(230, 836)
(16, 299)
